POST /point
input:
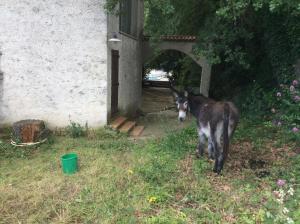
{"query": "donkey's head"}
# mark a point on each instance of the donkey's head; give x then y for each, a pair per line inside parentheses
(182, 104)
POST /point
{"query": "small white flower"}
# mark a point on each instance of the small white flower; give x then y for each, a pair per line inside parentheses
(289, 220)
(285, 210)
(291, 191)
(280, 200)
(269, 215)
(281, 193)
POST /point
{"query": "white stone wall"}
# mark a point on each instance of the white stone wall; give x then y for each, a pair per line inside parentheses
(54, 61)
(131, 75)
(130, 64)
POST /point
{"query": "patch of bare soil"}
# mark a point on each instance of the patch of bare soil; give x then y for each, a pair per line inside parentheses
(244, 156)
(157, 99)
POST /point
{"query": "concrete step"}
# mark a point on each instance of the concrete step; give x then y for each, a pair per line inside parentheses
(137, 131)
(118, 122)
(127, 127)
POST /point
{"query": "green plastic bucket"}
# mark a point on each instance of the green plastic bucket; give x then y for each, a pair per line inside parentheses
(69, 163)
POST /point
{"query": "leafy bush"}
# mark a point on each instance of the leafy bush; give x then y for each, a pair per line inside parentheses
(255, 101)
(286, 109)
(280, 106)
(287, 106)
(75, 130)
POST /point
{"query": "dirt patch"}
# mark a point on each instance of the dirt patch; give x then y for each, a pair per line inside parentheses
(157, 99)
(244, 155)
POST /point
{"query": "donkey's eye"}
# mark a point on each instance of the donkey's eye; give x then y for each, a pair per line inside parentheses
(185, 105)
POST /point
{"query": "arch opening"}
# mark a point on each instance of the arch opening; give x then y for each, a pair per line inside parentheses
(175, 65)
(186, 48)
(163, 65)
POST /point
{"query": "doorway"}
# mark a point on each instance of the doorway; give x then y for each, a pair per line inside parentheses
(114, 81)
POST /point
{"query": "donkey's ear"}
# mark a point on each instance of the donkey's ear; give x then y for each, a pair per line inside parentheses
(186, 94)
(175, 95)
(174, 91)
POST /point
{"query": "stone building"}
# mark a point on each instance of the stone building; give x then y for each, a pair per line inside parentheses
(62, 60)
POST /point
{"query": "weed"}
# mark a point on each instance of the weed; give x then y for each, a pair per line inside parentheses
(75, 130)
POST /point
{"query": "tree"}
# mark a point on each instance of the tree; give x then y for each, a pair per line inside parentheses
(246, 40)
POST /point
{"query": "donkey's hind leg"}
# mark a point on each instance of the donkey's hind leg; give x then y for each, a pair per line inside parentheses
(210, 149)
(218, 155)
(200, 147)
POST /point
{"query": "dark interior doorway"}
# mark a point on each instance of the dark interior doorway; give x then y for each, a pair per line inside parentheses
(114, 81)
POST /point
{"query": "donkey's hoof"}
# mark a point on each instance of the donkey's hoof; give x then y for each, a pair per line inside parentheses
(217, 171)
(211, 157)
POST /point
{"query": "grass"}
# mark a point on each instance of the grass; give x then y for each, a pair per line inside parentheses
(147, 181)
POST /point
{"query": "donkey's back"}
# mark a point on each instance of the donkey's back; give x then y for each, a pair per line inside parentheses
(216, 121)
(212, 113)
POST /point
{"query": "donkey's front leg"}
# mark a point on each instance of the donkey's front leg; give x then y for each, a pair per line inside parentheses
(220, 163)
(200, 147)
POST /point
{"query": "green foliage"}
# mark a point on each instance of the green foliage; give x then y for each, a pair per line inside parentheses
(245, 40)
(277, 107)
(75, 130)
(253, 44)
(255, 100)
(287, 105)
(9, 151)
(110, 5)
(282, 202)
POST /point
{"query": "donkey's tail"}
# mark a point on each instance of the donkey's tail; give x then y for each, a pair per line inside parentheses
(225, 130)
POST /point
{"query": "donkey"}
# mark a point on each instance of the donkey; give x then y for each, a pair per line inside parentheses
(216, 121)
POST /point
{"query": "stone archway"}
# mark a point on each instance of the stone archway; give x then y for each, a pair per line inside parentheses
(185, 45)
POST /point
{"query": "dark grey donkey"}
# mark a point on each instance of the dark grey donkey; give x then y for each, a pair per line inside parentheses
(216, 121)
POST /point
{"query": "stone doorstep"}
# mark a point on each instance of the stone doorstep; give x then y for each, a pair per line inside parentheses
(117, 123)
(137, 131)
(123, 125)
(127, 127)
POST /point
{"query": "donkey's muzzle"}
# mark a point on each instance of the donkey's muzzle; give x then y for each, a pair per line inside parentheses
(181, 115)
